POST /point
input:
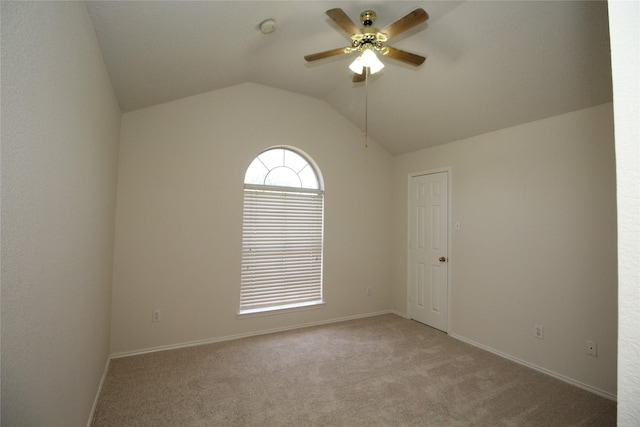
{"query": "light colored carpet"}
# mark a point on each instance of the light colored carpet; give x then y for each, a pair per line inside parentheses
(377, 371)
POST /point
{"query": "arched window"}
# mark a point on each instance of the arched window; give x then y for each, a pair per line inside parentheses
(281, 233)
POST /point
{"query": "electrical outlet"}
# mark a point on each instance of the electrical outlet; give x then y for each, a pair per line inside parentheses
(538, 331)
(592, 348)
(369, 291)
(155, 315)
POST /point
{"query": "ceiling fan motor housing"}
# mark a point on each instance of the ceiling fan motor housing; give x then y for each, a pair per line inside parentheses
(370, 38)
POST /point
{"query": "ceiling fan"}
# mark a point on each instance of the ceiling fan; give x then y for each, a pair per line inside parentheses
(368, 40)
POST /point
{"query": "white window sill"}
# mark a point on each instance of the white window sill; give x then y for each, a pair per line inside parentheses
(266, 311)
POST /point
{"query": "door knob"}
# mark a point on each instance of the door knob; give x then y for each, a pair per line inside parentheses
(442, 259)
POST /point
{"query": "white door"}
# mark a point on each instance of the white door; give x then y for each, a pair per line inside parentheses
(428, 249)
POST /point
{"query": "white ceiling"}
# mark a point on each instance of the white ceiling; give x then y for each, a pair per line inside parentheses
(490, 65)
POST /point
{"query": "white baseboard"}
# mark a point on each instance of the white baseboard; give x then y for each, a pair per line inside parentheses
(247, 335)
(99, 392)
(561, 377)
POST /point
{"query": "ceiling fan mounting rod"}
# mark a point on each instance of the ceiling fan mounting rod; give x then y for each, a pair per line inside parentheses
(368, 17)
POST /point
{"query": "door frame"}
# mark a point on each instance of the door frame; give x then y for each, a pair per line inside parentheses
(449, 171)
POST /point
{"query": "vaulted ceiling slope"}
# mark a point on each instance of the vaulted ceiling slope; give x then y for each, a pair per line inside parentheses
(490, 65)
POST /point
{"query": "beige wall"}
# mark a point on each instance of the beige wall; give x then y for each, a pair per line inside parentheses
(60, 126)
(537, 204)
(179, 214)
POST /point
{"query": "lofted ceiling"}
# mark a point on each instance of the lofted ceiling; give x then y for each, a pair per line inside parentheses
(490, 65)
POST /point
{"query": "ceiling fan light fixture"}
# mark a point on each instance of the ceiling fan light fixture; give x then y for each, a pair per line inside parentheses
(368, 59)
(356, 66)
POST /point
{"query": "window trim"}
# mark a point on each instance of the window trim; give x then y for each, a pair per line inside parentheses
(315, 271)
(266, 311)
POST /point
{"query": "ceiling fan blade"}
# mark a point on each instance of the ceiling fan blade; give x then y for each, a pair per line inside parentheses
(404, 56)
(325, 54)
(408, 21)
(341, 18)
(357, 78)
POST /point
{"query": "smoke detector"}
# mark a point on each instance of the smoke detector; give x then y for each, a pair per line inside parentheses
(268, 26)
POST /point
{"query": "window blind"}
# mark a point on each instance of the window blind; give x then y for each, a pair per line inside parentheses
(281, 248)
